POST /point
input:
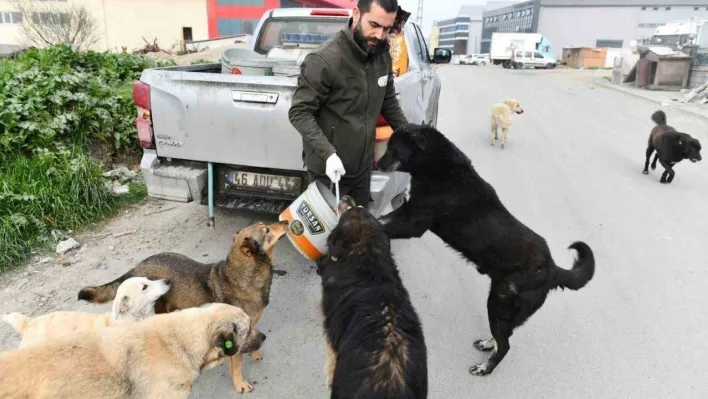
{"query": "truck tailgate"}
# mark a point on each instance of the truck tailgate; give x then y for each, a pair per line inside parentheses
(224, 118)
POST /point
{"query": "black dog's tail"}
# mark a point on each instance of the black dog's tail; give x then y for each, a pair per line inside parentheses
(582, 271)
(659, 117)
(104, 293)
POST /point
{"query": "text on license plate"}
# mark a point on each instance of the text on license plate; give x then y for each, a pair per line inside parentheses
(264, 182)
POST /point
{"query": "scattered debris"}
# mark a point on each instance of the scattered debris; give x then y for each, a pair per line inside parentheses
(111, 248)
(697, 95)
(21, 284)
(46, 260)
(121, 189)
(160, 211)
(66, 246)
(125, 233)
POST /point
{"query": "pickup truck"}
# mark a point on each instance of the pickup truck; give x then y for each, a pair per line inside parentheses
(225, 139)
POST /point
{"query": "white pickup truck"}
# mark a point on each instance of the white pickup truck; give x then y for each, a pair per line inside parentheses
(225, 139)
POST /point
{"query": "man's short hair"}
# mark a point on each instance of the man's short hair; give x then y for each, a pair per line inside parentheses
(388, 5)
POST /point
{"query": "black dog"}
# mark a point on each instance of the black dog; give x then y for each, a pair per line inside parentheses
(450, 199)
(375, 339)
(671, 147)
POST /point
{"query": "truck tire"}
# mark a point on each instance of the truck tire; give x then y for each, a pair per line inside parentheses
(518, 65)
(550, 66)
(507, 64)
(482, 63)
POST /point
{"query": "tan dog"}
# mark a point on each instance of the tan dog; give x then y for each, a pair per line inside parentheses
(134, 301)
(159, 357)
(242, 280)
(501, 117)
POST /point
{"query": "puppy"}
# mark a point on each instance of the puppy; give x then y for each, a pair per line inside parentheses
(671, 147)
(501, 117)
(376, 347)
(450, 199)
(134, 301)
(242, 280)
(159, 357)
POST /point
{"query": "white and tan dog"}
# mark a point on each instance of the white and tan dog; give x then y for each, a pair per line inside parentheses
(159, 357)
(501, 117)
(134, 302)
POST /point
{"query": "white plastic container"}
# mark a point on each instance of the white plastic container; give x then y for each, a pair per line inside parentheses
(311, 217)
(286, 70)
(247, 62)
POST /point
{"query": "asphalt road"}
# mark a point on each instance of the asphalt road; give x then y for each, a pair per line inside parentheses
(571, 171)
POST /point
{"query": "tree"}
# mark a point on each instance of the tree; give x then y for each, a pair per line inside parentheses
(47, 23)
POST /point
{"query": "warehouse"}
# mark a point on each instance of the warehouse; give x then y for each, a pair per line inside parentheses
(589, 23)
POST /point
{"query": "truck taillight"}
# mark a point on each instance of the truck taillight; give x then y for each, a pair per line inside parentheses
(380, 121)
(141, 98)
(330, 13)
(141, 95)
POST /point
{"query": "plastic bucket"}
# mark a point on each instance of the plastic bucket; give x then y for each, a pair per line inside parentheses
(312, 217)
(383, 134)
(286, 70)
(247, 62)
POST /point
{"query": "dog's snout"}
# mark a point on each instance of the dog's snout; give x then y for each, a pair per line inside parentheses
(261, 336)
(167, 281)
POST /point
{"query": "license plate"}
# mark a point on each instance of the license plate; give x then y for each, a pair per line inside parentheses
(263, 182)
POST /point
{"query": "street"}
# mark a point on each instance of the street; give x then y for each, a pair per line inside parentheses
(572, 170)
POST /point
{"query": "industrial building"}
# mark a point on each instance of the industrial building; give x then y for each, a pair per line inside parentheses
(463, 34)
(589, 23)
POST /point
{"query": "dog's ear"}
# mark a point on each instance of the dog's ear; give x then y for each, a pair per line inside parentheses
(420, 141)
(250, 247)
(126, 303)
(227, 342)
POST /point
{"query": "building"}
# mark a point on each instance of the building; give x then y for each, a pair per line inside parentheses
(171, 22)
(434, 41)
(589, 23)
(463, 34)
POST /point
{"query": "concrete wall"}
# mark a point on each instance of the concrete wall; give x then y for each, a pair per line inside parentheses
(698, 76)
(583, 26)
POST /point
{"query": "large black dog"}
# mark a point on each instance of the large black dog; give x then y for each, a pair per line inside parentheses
(375, 339)
(671, 147)
(450, 199)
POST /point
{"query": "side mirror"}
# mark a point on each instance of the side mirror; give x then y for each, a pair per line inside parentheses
(442, 56)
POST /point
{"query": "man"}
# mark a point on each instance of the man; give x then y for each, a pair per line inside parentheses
(343, 87)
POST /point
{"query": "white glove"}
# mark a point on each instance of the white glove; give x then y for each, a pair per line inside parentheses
(334, 168)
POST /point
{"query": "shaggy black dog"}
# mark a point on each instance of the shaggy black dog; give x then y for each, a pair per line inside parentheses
(671, 147)
(375, 339)
(450, 199)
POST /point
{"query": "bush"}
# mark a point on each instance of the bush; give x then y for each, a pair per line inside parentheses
(56, 95)
(53, 102)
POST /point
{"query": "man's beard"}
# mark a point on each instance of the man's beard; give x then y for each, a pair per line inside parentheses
(363, 42)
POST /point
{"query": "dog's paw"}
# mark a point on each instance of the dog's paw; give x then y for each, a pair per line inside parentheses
(243, 386)
(653, 167)
(502, 146)
(480, 369)
(255, 355)
(485, 345)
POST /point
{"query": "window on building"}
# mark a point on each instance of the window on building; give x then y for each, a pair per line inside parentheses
(49, 18)
(235, 26)
(644, 8)
(609, 43)
(290, 4)
(10, 18)
(656, 8)
(695, 8)
(187, 34)
(668, 8)
(252, 3)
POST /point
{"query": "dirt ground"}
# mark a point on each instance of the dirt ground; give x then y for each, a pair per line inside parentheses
(51, 282)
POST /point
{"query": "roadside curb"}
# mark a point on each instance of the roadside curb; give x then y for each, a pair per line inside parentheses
(610, 86)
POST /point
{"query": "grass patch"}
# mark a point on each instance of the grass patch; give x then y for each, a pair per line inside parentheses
(45, 195)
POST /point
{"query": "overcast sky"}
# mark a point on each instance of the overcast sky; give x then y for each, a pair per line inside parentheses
(436, 10)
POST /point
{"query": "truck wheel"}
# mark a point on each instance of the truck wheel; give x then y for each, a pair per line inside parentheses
(549, 66)
(482, 63)
(518, 65)
(507, 64)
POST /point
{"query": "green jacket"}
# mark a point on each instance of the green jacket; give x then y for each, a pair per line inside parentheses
(341, 92)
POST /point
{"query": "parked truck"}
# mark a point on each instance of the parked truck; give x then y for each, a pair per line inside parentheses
(681, 33)
(225, 139)
(531, 49)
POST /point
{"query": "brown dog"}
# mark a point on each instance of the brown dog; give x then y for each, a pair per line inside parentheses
(159, 357)
(242, 280)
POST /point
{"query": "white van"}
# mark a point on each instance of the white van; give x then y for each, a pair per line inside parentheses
(530, 58)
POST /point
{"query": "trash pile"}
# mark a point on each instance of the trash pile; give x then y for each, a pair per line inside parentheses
(699, 95)
(120, 178)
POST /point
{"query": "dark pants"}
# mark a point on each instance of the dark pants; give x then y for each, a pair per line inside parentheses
(357, 187)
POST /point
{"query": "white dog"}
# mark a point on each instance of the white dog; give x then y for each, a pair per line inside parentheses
(134, 301)
(501, 117)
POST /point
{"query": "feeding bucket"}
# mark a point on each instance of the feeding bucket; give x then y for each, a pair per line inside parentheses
(312, 217)
(383, 134)
(247, 62)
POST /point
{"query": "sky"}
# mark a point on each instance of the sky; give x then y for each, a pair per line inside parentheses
(436, 10)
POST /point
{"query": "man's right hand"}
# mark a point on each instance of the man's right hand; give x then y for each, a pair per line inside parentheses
(334, 168)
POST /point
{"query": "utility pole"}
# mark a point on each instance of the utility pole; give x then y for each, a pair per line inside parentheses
(419, 14)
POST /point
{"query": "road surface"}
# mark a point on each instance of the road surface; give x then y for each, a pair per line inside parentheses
(571, 171)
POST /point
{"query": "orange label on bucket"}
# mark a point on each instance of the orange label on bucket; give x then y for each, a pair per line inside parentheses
(300, 240)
